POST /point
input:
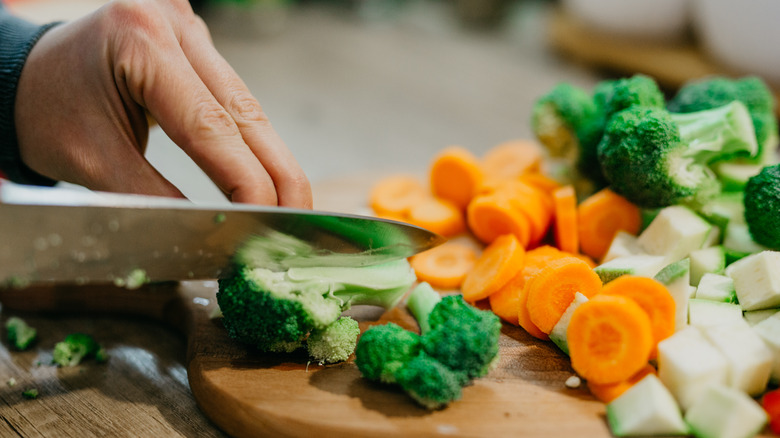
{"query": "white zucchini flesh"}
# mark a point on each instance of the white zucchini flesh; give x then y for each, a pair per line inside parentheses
(757, 280)
(675, 232)
(705, 313)
(558, 333)
(647, 408)
(749, 358)
(716, 287)
(769, 331)
(724, 412)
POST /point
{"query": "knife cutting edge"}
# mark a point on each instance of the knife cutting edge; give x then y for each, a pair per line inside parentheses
(62, 234)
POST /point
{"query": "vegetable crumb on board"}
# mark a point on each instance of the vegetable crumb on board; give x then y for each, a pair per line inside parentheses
(573, 382)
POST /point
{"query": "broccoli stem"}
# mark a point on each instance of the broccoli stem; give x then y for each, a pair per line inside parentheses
(421, 302)
(716, 132)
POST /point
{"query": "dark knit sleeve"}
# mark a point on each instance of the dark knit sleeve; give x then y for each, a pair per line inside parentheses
(17, 38)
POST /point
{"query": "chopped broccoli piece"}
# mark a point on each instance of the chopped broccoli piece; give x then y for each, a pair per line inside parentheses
(559, 117)
(11, 381)
(334, 343)
(30, 393)
(762, 206)
(457, 344)
(384, 349)
(77, 347)
(277, 311)
(638, 90)
(655, 158)
(716, 91)
(20, 335)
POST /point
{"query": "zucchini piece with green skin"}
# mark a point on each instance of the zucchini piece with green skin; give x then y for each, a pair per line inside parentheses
(723, 209)
(677, 279)
(688, 363)
(716, 287)
(734, 174)
(645, 409)
(753, 317)
(768, 330)
(707, 260)
(749, 359)
(623, 244)
(675, 232)
(738, 242)
(723, 412)
(757, 280)
(558, 333)
(706, 313)
(642, 265)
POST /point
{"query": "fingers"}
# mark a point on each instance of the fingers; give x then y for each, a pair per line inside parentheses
(292, 186)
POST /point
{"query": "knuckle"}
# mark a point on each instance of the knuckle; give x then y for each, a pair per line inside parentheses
(211, 119)
(246, 109)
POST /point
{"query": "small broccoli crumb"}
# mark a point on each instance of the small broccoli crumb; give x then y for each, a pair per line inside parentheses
(20, 335)
(220, 218)
(75, 348)
(11, 382)
(31, 393)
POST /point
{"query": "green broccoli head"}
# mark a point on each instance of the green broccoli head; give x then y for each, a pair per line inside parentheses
(430, 383)
(559, 116)
(717, 91)
(384, 349)
(462, 337)
(638, 90)
(277, 311)
(762, 206)
(656, 159)
(19, 334)
(334, 343)
(75, 348)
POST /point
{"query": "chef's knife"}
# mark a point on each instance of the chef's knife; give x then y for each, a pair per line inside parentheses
(67, 235)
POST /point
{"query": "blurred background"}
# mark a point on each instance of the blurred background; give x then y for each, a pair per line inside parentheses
(372, 86)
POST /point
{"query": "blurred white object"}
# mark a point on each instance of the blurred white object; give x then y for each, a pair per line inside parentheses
(661, 20)
(743, 35)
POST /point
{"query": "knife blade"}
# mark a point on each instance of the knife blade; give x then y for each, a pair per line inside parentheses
(64, 235)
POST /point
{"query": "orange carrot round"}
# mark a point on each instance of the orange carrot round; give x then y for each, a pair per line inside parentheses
(439, 216)
(552, 290)
(497, 264)
(653, 297)
(606, 392)
(490, 216)
(455, 175)
(600, 217)
(444, 266)
(509, 160)
(505, 302)
(535, 260)
(566, 233)
(531, 202)
(393, 196)
(540, 181)
(609, 339)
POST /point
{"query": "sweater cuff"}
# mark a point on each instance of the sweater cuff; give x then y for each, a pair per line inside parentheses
(17, 38)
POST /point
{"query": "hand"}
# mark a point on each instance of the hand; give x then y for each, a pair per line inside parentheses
(83, 93)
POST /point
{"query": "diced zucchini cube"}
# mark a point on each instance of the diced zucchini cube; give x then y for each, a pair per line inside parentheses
(757, 280)
(675, 233)
(558, 333)
(738, 242)
(723, 412)
(688, 363)
(753, 317)
(647, 408)
(707, 260)
(623, 244)
(641, 265)
(749, 358)
(769, 331)
(706, 313)
(677, 279)
(715, 287)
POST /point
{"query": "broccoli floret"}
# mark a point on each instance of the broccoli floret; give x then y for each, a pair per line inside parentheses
(384, 349)
(655, 158)
(75, 348)
(334, 343)
(559, 116)
(762, 206)
(278, 311)
(717, 91)
(19, 334)
(457, 344)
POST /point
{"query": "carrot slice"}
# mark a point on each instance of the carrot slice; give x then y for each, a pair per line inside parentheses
(535, 260)
(600, 217)
(606, 392)
(439, 216)
(509, 160)
(540, 181)
(499, 262)
(505, 302)
(653, 297)
(566, 234)
(609, 339)
(552, 290)
(393, 196)
(444, 266)
(489, 217)
(455, 175)
(536, 205)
